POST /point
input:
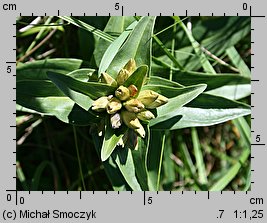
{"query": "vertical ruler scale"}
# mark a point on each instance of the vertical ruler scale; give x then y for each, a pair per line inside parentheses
(132, 206)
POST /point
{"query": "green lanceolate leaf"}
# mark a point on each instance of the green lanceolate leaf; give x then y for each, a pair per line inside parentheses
(206, 110)
(110, 141)
(36, 70)
(213, 81)
(114, 47)
(36, 93)
(154, 80)
(124, 160)
(137, 78)
(116, 178)
(156, 147)
(137, 46)
(178, 97)
(83, 93)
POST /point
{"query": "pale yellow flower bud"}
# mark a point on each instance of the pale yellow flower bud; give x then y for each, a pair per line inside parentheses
(133, 90)
(134, 105)
(122, 76)
(130, 119)
(130, 66)
(113, 106)
(107, 79)
(115, 121)
(100, 104)
(145, 115)
(122, 93)
(161, 100)
(147, 97)
(141, 131)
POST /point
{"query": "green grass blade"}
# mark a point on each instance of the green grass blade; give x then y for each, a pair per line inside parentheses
(78, 157)
(168, 54)
(199, 157)
(238, 61)
(88, 28)
(231, 173)
(197, 48)
(39, 171)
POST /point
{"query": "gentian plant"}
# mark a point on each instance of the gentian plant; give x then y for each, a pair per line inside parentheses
(136, 93)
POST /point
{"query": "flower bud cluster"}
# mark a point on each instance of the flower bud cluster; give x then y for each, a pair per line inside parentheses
(128, 105)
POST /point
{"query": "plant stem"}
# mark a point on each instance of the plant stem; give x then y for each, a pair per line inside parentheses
(172, 52)
(160, 161)
(78, 156)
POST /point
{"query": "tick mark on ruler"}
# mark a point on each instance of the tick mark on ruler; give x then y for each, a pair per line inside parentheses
(208, 195)
(58, 12)
(185, 12)
(80, 195)
(258, 144)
